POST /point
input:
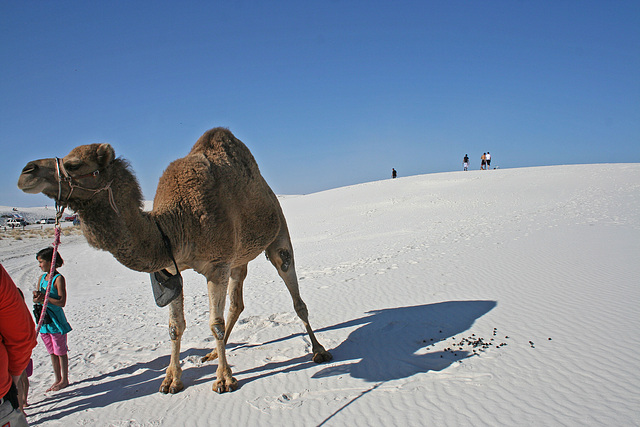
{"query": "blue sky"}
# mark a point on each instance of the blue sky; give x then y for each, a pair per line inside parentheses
(324, 93)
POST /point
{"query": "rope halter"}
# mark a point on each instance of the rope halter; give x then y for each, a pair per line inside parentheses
(64, 176)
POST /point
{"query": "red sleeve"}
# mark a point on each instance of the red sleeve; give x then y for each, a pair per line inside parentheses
(17, 330)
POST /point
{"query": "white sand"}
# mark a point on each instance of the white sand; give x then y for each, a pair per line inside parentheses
(394, 273)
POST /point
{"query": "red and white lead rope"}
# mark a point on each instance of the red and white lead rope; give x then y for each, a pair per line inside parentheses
(56, 243)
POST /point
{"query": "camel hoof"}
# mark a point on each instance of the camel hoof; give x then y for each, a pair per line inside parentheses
(173, 388)
(222, 386)
(209, 357)
(322, 356)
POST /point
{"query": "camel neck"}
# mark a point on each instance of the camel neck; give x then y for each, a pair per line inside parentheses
(133, 239)
(131, 234)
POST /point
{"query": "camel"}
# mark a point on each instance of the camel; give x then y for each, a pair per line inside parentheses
(214, 206)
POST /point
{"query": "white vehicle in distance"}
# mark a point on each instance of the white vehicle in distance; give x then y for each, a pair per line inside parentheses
(16, 222)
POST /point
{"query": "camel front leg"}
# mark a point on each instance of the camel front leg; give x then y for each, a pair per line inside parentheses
(172, 382)
(217, 286)
(236, 306)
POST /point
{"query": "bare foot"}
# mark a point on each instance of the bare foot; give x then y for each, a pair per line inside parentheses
(59, 386)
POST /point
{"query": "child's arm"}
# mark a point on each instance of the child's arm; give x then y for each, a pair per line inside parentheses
(61, 287)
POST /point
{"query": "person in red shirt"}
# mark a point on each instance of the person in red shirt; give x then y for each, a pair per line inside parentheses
(17, 340)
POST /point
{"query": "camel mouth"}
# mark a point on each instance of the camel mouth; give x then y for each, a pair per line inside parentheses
(30, 184)
(35, 188)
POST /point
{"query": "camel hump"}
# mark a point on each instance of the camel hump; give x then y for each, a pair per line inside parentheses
(219, 145)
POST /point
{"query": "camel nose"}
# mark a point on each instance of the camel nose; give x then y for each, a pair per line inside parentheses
(31, 167)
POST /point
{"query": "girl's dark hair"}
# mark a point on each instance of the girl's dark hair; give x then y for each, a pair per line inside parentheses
(47, 255)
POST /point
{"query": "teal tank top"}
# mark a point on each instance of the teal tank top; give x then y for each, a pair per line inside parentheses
(59, 324)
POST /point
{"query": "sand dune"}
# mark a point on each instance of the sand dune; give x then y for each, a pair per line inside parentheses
(503, 297)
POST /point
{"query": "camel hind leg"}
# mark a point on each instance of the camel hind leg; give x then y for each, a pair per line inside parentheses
(280, 253)
(236, 305)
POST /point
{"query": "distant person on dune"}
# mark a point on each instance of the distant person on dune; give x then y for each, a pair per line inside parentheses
(483, 162)
(488, 158)
(465, 162)
(394, 174)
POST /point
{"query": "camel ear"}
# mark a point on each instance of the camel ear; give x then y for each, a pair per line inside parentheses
(106, 155)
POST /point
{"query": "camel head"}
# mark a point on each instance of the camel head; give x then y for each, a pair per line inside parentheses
(77, 177)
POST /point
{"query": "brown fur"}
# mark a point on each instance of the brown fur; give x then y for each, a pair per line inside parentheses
(216, 209)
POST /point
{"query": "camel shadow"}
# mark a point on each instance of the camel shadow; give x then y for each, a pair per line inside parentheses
(382, 347)
(396, 343)
(389, 344)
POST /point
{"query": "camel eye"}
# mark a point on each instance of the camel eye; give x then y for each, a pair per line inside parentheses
(72, 166)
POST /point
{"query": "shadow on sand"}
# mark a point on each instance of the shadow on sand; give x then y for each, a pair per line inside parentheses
(385, 343)
(137, 380)
(388, 344)
(382, 347)
(385, 346)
